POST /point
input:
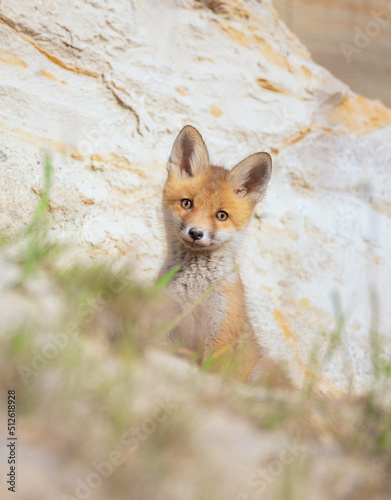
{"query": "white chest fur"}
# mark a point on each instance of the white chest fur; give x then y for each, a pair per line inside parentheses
(197, 289)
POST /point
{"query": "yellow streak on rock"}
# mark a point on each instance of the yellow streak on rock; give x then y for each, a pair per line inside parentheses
(288, 334)
(181, 91)
(359, 114)
(69, 150)
(236, 10)
(35, 139)
(376, 259)
(265, 84)
(236, 35)
(46, 74)
(270, 54)
(306, 71)
(117, 162)
(273, 56)
(297, 137)
(216, 111)
(305, 302)
(8, 57)
(233, 8)
(51, 57)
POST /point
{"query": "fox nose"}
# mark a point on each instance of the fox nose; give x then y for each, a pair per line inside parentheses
(195, 234)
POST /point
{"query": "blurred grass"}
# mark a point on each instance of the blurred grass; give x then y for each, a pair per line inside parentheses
(97, 382)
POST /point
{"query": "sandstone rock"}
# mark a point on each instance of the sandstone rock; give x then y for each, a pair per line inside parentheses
(105, 87)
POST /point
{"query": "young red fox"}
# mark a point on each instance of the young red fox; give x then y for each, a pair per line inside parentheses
(206, 212)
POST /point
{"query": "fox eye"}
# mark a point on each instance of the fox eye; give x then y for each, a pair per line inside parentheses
(221, 215)
(186, 203)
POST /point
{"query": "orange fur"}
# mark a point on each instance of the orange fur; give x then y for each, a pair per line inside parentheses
(235, 333)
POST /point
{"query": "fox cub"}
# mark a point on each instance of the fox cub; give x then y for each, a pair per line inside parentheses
(206, 211)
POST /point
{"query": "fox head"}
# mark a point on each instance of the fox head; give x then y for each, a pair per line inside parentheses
(205, 206)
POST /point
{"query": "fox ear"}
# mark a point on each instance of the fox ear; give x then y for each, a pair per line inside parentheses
(250, 177)
(189, 156)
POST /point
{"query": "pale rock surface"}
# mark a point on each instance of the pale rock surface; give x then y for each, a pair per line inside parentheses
(106, 86)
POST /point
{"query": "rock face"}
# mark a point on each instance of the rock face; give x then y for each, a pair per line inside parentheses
(105, 87)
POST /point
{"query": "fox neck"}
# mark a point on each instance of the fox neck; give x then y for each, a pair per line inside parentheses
(217, 262)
